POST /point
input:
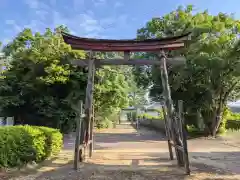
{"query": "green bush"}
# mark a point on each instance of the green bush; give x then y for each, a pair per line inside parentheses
(148, 116)
(234, 116)
(232, 120)
(221, 130)
(233, 125)
(54, 140)
(193, 131)
(104, 123)
(22, 144)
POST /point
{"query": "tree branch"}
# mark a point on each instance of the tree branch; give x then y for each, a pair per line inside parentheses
(229, 91)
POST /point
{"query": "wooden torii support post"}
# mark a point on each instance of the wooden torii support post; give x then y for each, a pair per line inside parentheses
(149, 45)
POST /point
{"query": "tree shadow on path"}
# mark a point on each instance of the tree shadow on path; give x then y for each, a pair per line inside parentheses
(132, 164)
(61, 168)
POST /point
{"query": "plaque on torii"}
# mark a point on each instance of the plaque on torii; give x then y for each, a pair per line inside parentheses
(158, 45)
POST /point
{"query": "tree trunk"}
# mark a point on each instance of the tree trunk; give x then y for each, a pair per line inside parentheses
(217, 120)
(212, 120)
(208, 118)
(222, 103)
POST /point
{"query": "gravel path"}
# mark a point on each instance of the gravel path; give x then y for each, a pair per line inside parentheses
(126, 154)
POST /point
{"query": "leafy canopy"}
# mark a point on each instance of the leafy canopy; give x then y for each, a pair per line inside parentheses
(41, 85)
(211, 74)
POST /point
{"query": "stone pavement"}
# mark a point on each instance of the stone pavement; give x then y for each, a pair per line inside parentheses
(127, 153)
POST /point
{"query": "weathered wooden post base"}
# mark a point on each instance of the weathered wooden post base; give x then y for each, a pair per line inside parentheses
(173, 122)
(166, 121)
(77, 153)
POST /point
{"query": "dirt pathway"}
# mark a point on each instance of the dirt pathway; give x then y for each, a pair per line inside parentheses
(126, 154)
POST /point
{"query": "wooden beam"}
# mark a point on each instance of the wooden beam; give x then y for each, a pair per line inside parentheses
(168, 100)
(184, 137)
(146, 48)
(180, 148)
(82, 146)
(167, 132)
(102, 62)
(133, 45)
(126, 55)
(91, 133)
(89, 98)
(83, 131)
(78, 133)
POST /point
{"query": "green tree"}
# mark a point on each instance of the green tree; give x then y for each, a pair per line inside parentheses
(211, 74)
(40, 85)
(110, 94)
(38, 81)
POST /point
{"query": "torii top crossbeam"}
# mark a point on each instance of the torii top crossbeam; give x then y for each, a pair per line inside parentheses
(133, 45)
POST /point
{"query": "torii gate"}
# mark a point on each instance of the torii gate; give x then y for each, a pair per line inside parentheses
(174, 123)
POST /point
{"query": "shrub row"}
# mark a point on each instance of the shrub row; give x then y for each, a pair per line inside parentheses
(148, 116)
(20, 145)
(233, 124)
(103, 123)
(232, 120)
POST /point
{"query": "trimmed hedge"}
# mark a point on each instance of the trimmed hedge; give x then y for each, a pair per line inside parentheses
(155, 124)
(232, 120)
(148, 116)
(104, 123)
(233, 125)
(22, 144)
(54, 140)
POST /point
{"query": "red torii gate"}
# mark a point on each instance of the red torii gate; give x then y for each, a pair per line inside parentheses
(174, 123)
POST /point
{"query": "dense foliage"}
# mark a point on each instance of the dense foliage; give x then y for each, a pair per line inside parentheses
(211, 74)
(110, 95)
(40, 86)
(20, 145)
